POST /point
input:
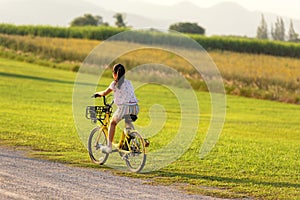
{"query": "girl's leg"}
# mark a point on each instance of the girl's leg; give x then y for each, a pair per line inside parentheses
(111, 134)
(111, 131)
(129, 124)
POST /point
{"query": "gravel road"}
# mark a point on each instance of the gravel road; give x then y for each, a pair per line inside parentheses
(27, 178)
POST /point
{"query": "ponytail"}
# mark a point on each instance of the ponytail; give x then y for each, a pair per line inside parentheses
(119, 69)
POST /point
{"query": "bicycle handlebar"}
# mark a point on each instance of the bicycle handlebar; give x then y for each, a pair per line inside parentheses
(95, 95)
(104, 99)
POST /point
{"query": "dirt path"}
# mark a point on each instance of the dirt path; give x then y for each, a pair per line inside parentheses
(27, 178)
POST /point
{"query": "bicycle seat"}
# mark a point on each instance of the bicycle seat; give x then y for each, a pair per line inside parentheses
(130, 117)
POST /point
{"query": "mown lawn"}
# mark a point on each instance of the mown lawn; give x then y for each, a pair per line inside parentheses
(257, 155)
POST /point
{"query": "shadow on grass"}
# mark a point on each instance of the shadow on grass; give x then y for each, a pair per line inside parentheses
(21, 76)
(229, 179)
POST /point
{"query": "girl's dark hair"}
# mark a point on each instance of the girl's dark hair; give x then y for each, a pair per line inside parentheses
(119, 69)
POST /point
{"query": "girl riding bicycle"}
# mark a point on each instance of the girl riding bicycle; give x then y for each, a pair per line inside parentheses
(124, 98)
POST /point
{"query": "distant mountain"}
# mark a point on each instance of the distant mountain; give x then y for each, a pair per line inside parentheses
(47, 12)
(226, 18)
(230, 19)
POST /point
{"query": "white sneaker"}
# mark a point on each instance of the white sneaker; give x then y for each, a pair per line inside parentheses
(106, 149)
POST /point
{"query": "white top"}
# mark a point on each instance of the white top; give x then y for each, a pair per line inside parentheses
(125, 95)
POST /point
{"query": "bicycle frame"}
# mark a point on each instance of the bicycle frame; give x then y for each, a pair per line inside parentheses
(104, 123)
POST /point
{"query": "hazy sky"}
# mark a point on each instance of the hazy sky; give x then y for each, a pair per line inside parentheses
(289, 8)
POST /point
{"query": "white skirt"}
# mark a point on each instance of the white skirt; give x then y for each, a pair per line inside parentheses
(125, 110)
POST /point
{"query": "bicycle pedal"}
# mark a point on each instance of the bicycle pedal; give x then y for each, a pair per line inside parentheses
(114, 150)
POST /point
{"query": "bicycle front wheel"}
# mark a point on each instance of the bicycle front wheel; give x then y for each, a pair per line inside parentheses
(97, 139)
(136, 159)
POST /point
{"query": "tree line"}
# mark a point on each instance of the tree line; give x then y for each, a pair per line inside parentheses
(277, 32)
(97, 20)
(90, 20)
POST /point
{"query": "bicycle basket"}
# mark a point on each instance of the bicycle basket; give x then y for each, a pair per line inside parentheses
(95, 113)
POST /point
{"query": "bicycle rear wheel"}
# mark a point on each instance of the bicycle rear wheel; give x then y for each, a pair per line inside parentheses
(136, 159)
(97, 139)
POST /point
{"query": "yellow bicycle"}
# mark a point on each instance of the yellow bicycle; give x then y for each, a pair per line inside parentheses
(131, 146)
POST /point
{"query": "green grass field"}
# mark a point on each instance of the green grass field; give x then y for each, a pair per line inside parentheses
(257, 155)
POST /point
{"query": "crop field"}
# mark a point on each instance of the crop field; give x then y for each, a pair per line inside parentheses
(256, 156)
(250, 75)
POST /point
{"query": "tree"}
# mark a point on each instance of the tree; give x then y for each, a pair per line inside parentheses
(120, 20)
(293, 36)
(187, 27)
(88, 20)
(278, 32)
(262, 29)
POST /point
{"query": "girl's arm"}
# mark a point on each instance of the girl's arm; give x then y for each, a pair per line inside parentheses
(104, 92)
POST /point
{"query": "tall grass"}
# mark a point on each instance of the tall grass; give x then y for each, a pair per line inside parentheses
(260, 76)
(56, 49)
(251, 75)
